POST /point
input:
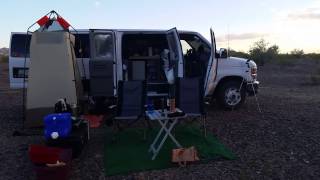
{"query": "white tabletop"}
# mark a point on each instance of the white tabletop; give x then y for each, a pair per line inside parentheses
(155, 94)
(161, 114)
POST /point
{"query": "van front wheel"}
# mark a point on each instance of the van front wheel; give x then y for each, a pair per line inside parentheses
(230, 96)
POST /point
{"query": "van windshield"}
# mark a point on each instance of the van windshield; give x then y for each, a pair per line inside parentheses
(18, 45)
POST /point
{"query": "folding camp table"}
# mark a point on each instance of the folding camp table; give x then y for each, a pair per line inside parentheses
(167, 124)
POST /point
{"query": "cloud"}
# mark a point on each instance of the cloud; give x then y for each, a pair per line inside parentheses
(242, 36)
(306, 14)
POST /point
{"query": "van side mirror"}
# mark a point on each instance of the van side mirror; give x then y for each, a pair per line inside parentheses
(223, 53)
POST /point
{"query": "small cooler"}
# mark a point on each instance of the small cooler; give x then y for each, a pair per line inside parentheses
(57, 125)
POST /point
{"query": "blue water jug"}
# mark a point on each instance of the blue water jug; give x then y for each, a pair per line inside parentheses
(57, 125)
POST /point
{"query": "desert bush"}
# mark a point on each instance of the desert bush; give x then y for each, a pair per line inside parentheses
(313, 57)
(285, 59)
(260, 52)
(272, 52)
(4, 59)
(298, 53)
(315, 77)
(240, 54)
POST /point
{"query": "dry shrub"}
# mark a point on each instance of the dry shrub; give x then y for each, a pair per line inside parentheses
(4, 59)
(315, 77)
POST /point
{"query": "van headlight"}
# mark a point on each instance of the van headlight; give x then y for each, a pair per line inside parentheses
(254, 71)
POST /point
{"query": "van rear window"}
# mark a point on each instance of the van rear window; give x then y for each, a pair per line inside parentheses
(18, 72)
(18, 45)
(103, 45)
(82, 42)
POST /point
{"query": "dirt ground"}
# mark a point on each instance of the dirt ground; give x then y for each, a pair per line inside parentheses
(282, 142)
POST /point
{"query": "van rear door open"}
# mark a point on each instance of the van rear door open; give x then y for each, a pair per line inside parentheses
(175, 48)
(212, 66)
(102, 66)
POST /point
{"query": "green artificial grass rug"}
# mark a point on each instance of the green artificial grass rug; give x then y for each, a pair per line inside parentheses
(130, 153)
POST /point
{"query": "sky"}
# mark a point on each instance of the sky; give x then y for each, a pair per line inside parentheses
(291, 24)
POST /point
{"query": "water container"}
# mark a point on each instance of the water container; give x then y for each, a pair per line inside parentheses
(150, 106)
(57, 125)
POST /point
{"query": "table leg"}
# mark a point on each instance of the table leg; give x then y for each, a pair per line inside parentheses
(171, 136)
(163, 125)
(167, 133)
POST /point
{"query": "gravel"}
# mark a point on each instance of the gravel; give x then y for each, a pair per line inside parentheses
(282, 142)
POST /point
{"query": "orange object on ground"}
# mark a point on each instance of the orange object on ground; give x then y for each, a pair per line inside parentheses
(94, 120)
(184, 155)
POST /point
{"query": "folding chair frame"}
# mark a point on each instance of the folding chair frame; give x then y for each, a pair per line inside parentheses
(118, 126)
(202, 114)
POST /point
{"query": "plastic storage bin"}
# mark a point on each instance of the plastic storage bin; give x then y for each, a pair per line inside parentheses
(42, 155)
(75, 141)
(57, 125)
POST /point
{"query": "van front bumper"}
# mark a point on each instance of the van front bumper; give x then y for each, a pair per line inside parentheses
(252, 88)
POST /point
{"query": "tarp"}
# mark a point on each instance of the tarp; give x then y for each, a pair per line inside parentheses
(53, 74)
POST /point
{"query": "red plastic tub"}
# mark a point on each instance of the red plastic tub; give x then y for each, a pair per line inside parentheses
(42, 155)
(52, 173)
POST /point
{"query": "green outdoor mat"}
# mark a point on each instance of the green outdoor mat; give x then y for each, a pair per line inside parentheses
(130, 153)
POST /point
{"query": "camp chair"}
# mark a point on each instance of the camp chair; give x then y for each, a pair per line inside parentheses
(190, 99)
(130, 105)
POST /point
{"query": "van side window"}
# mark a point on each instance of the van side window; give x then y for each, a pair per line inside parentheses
(185, 47)
(18, 45)
(194, 42)
(196, 55)
(82, 42)
(103, 46)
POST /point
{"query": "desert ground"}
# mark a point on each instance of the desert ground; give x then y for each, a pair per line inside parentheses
(281, 142)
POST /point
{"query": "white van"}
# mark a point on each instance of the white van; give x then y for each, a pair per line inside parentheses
(135, 54)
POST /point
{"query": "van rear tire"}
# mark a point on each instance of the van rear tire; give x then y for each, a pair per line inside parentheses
(229, 96)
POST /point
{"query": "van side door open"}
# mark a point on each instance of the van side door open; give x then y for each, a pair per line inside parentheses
(176, 56)
(102, 65)
(199, 57)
